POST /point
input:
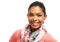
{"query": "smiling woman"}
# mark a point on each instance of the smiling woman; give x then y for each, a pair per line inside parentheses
(36, 17)
(34, 31)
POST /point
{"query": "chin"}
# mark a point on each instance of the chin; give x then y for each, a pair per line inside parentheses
(35, 27)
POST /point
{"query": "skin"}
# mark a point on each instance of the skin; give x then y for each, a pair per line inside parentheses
(36, 17)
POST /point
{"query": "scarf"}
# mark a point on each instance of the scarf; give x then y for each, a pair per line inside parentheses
(34, 37)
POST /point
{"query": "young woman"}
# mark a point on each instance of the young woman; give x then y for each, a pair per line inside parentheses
(34, 31)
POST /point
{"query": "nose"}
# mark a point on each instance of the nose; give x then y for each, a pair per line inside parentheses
(35, 18)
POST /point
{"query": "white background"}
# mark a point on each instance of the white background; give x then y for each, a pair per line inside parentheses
(13, 17)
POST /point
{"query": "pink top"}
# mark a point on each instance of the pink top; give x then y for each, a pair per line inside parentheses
(16, 37)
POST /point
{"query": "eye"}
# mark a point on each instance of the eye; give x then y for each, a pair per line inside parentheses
(30, 14)
(39, 15)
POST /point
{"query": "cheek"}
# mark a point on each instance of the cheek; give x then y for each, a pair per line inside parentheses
(41, 19)
(29, 19)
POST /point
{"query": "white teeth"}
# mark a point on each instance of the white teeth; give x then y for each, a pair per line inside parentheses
(35, 23)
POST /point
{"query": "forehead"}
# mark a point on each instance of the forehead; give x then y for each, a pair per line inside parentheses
(36, 9)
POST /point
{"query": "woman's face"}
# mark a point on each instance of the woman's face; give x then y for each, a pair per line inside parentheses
(36, 17)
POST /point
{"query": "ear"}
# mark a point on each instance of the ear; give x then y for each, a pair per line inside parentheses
(45, 17)
(27, 15)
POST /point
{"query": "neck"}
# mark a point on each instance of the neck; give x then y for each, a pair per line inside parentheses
(33, 29)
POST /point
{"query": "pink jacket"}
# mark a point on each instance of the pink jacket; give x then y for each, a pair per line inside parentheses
(16, 37)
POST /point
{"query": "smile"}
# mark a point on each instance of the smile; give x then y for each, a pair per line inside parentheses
(35, 23)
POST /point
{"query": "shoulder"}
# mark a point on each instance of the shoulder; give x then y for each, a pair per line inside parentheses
(15, 36)
(49, 38)
(16, 33)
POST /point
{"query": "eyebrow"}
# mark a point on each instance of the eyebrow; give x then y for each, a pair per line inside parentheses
(38, 13)
(32, 13)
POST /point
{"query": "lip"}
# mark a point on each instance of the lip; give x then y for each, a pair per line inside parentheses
(34, 24)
